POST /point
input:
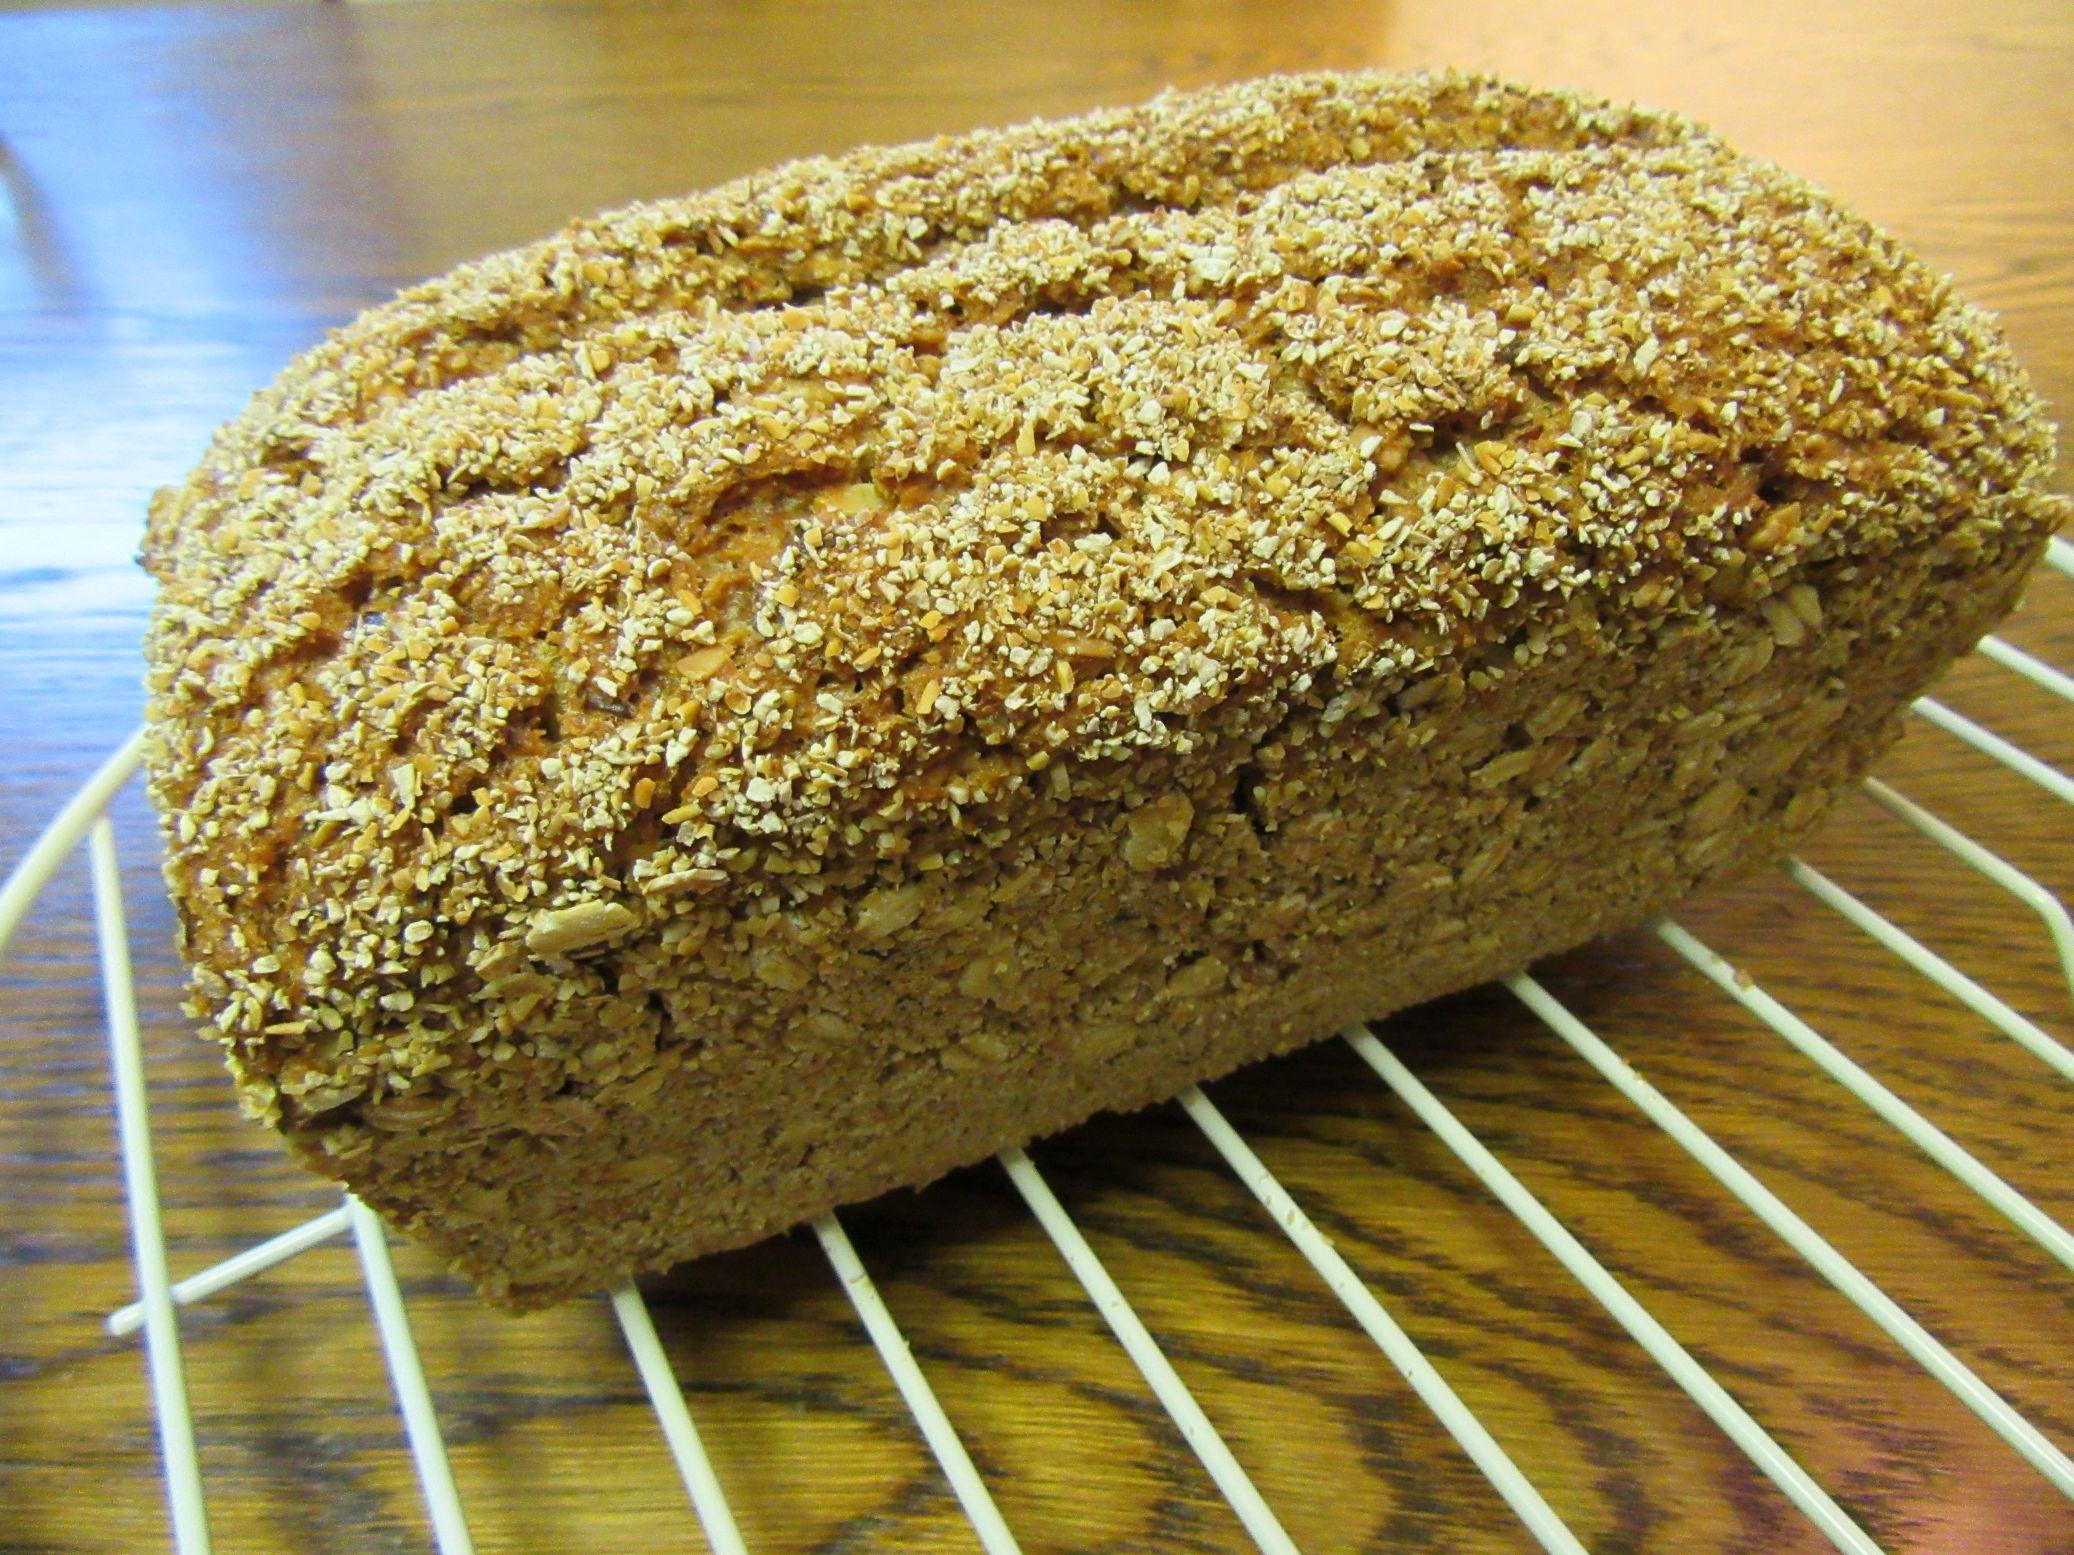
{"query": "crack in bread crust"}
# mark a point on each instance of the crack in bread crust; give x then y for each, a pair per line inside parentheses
(555, 668)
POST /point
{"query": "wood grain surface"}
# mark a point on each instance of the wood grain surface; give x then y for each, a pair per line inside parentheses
(196, 193)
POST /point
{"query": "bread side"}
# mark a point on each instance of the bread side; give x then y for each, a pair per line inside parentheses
(1347, 869)
(761, 699)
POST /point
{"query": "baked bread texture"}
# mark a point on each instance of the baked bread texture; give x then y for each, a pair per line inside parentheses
(763, 698)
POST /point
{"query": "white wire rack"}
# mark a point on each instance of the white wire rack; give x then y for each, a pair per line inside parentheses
(156, 1312)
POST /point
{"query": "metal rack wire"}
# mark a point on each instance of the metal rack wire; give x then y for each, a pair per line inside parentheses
(156, 1312)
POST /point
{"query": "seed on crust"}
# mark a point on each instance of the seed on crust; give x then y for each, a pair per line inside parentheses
(567, 929)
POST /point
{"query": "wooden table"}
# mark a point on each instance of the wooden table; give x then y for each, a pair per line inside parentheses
(195, 193)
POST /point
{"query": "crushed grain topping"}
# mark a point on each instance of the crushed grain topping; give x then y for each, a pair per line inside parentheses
(731, 563)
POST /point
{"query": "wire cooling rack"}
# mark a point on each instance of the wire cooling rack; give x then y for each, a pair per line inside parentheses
(156, 1313)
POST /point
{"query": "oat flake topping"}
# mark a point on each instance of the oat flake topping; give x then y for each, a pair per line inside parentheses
(755, 552)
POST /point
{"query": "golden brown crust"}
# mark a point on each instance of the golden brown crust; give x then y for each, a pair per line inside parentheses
(656, 604)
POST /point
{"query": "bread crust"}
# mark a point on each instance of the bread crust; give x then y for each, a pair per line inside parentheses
(762, 698)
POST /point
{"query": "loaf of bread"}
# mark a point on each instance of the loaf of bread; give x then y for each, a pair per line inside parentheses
(763, 698)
